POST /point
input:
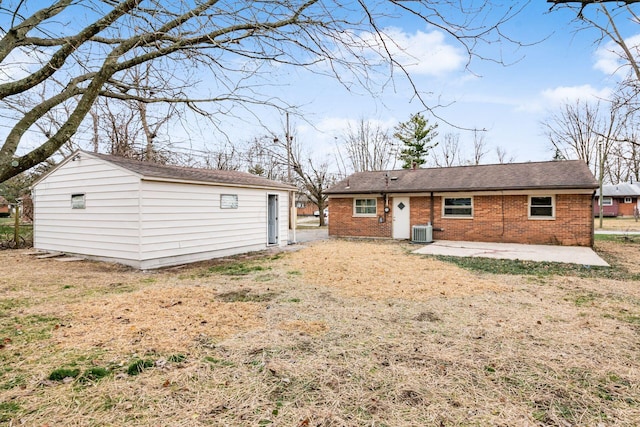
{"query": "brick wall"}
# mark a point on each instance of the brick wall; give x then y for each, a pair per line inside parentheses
(342, 223)
(495, 219)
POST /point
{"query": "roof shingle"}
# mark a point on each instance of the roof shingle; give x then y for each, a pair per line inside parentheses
(569, 174)
(179, 173)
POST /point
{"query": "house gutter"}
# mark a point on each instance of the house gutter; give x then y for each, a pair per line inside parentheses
(432, 214)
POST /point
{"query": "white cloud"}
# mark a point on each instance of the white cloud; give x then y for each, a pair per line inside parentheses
(425, 53)
(564, 94)
(610, 59)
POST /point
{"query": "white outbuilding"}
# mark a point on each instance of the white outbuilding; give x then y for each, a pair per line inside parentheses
(148, 215)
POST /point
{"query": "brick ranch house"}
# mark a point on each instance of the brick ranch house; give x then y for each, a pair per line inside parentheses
(533, 203)
(618, 199)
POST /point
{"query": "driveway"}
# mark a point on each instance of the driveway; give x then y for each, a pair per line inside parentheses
(310, 234)
(566, 254)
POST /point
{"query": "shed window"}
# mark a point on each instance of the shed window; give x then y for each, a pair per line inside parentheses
(541, 207)
(628, 200)
(461, 207)
(228, 201)
(607, 201)
(78, 201)
(365, 207)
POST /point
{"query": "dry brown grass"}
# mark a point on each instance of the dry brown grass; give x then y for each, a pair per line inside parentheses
(617, 224)
(340, 333)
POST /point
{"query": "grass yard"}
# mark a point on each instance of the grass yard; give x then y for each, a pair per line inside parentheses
(617, 224)
(7, 227)
(340, 333)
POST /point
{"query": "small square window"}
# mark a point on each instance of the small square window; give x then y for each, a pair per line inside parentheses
(228, 201)
(628, 200)
(78, 201)
(365, 207)
(541, 207)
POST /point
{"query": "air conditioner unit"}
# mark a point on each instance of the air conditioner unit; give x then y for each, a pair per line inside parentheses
(422, 233)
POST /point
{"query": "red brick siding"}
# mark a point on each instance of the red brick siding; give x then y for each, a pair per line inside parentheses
(495, 219)
(308, 209)
(342, 223)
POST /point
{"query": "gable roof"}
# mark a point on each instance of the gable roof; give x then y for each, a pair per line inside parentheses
(171, 173)
(621, 189)
(568, 174)
(179, 173)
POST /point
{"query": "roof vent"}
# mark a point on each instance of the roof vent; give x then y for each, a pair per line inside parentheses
(394, 178)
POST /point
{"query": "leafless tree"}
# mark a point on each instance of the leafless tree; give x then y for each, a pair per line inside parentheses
(479, 148)
(368, 147)
(574, 131)
(599, 15)
(503, 156)
(81, 51)
(310, 175)
(620, 153)
(447, 152)
(262, 157)
(588, 132)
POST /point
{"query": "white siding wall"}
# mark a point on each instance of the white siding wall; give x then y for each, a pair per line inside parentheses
(108, 226)
(185, 223)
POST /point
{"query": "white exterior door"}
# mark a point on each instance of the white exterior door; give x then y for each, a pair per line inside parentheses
(401, 218)
(272, 219)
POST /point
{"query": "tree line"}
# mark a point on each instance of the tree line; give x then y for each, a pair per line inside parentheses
(117, 76)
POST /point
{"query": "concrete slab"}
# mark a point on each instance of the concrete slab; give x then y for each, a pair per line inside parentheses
(69, 259)
(566, 254)
(49, 255)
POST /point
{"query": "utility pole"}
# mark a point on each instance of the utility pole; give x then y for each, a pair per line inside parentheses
(600, 178)
(292, 194)
(288, 136)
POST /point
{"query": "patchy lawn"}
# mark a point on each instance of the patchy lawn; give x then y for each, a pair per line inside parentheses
(617, 224)
(340, 333)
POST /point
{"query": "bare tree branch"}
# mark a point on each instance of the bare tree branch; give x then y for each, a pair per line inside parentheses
(234, 45)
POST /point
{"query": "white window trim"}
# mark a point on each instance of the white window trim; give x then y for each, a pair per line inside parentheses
(458, 196)
(628, 199)
(363, 215)
(609, 198)
(542, 218)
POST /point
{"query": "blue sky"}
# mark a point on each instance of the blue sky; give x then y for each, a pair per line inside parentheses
(560, 65)
(508, 101)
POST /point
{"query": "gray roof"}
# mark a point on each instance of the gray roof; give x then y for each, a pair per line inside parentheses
(179, 173)
(569, 174)
(622, 189)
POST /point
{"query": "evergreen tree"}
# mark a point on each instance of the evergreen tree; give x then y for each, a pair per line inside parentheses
(416, 134)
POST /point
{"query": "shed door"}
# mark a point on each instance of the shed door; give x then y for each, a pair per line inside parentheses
(401, 218)
(272, 219)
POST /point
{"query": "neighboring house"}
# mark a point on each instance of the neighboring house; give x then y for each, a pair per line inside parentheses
(535, 203)
(149, 215)
(304, 206)
(5, 208)
(617, 200)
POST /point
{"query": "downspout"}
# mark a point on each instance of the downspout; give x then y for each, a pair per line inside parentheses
(431, 216)
(293, 217)
(591, 221)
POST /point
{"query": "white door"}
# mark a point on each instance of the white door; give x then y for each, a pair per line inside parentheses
(401, 218)
(272, 219)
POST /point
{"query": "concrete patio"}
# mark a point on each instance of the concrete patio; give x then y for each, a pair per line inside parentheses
(551, 253)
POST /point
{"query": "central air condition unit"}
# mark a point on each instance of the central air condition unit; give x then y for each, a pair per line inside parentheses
(422, 233)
